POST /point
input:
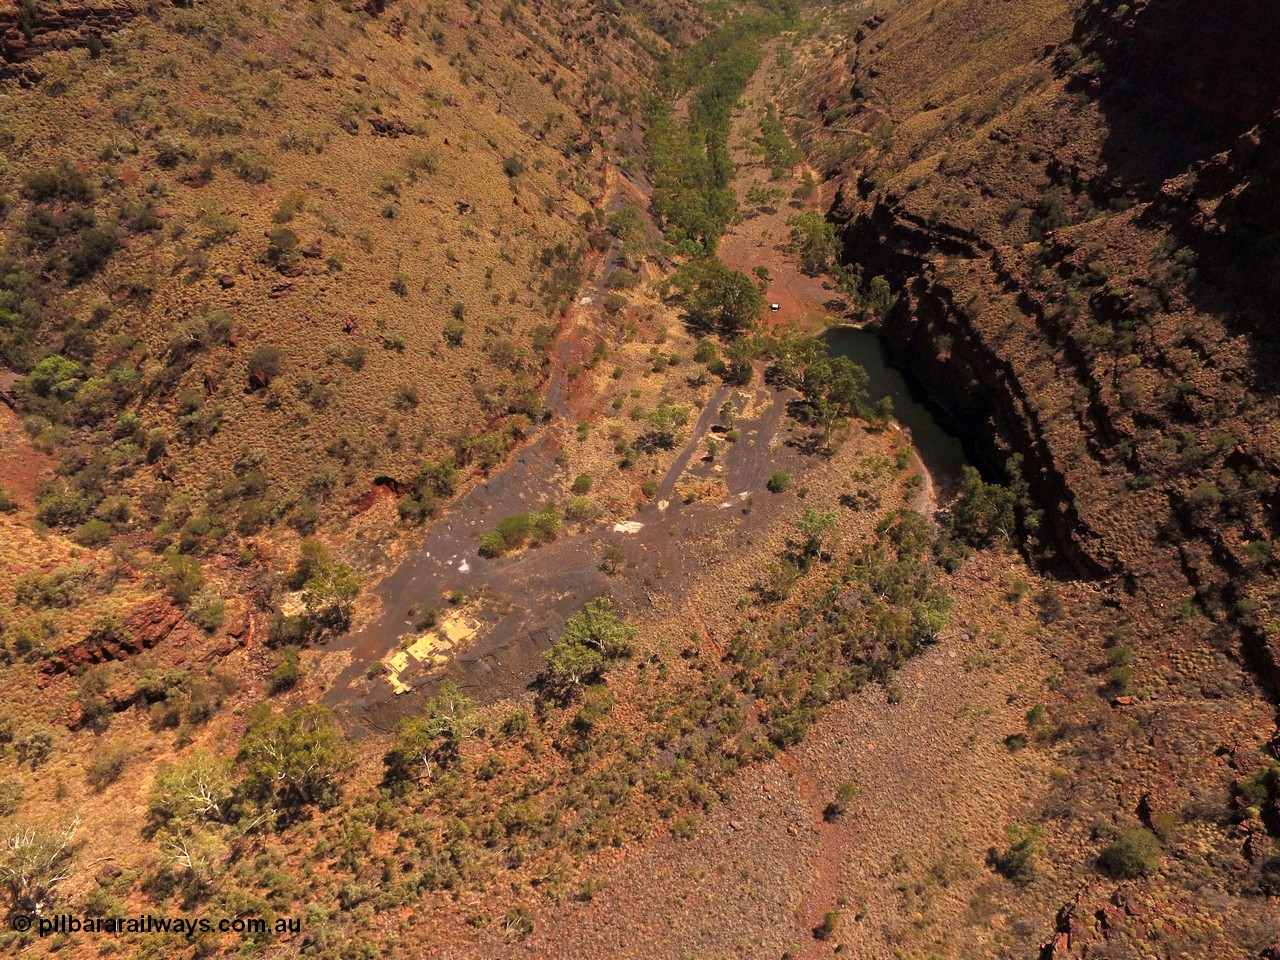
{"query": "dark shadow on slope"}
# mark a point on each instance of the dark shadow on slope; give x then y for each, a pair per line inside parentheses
(1179, 80)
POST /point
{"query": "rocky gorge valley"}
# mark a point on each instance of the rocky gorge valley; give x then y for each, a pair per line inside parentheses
(656, 480)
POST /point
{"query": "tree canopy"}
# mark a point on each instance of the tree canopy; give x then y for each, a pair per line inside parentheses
(293, 760)
(592, 638)
(431, 741)
(983, 512)
(718, 299)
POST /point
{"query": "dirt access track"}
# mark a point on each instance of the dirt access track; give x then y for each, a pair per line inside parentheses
(521, 600)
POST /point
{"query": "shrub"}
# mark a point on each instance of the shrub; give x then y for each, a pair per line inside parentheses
(206, 610)
(34, 744)
(827, 928)
(288, 671)
(581, 510)
(582, 484)
(282, 247)
(291, 204)
(11, 794)
(264, 364)
(90, 251)
(180, 576)
(55, 376)
(355, 357)
(846, 793)
(779, 481)
(1017, 861)
(545, 526)
(58, 588)
(1135, 853)
(513, 166)
(1205, 498)
(515, 529)
(65, 183)
(493, 545)
(107, 767)
(92, 533)
(61, 507)
(1268, 877)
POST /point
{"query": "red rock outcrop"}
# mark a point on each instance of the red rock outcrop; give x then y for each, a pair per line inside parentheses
(28, 30)
(146, 627)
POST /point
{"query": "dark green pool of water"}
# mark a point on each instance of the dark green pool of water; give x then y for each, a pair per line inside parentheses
(939, 446)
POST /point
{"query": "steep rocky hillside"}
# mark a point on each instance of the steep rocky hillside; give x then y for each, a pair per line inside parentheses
(235, 234)
(1076, 204)
(249, 226)
(1088, 242)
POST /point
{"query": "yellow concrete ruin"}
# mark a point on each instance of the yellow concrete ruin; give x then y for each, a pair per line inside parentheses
(431, 649)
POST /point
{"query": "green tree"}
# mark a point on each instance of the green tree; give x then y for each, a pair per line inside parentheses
(983, 512)
(597, 626)
(664, 425)
(880, 297)
(570, 663)
(742, 354)
(433, 739)
(293, 760)
(815, 238)
(814, 528)
(196, 789)
(592, 638)
(330, 593)
(793, 355)
(35, 862)
(718, 299)
(834, 390)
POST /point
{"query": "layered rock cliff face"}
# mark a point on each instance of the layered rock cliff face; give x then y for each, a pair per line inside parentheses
(29, 28)
(1079, 203)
